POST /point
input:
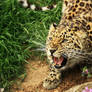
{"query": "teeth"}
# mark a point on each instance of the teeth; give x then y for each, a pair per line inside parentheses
(55, 63)
(59, 64)
(58, 58)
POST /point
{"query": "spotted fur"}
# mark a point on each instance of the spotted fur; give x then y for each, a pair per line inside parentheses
(72, 38)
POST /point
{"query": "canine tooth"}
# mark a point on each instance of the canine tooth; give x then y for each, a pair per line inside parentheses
(59, 64)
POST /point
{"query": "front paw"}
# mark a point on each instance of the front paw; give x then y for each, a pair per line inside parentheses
(52, 81)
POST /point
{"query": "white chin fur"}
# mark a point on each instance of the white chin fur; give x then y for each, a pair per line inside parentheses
(51, 61)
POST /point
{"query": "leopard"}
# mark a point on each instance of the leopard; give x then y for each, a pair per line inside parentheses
(70, 42)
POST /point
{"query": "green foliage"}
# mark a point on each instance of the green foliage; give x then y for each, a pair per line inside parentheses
(85, 72)
(12, 36)
(20, 30)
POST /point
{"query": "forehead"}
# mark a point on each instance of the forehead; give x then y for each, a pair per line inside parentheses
(55, 37)
(54, 42)
(56, 33)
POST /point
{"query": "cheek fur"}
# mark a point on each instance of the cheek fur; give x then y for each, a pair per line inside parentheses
(48, 53)
(50, 59)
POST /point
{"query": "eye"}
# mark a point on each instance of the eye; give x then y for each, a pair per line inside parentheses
(50, 38)
(65, 40)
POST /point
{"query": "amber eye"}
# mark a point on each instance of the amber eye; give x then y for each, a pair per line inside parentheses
(50, 38)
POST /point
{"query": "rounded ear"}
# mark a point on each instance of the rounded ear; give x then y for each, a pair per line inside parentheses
(53, 26)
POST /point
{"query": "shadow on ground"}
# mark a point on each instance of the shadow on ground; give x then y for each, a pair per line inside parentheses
(38, 70)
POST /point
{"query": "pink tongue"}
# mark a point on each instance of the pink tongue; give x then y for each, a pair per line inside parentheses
(58, 61)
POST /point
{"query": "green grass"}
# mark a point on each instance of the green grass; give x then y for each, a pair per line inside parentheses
(22, 31)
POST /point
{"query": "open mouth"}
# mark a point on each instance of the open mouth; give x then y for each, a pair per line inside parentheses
(59, 62)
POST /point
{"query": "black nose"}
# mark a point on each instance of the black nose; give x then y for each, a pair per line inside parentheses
(52, 51)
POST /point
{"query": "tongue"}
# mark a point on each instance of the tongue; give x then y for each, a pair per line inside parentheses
(58, 60)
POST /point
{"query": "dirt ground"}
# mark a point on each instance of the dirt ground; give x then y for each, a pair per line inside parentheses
(38, 70)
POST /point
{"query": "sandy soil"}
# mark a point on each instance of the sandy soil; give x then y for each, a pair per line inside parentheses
(37, 71)
(81, 87)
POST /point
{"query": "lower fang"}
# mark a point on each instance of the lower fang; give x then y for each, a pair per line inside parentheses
(59, 64)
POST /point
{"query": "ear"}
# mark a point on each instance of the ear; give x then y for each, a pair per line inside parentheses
(53, 26)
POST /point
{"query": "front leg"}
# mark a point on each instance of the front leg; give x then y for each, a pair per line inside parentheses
(53, 79)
